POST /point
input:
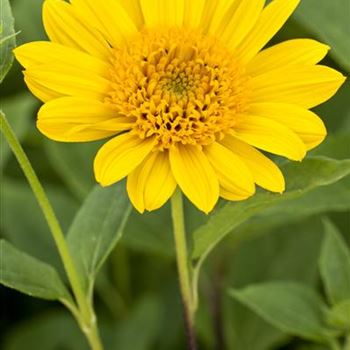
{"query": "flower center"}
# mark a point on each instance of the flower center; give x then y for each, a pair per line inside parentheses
(178, 86)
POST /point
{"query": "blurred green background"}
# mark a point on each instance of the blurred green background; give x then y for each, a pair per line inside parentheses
(137, 296)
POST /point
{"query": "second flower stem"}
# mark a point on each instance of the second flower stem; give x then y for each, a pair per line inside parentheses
(183, 266)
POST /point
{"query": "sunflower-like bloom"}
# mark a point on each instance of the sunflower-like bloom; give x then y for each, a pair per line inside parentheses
(183, 90)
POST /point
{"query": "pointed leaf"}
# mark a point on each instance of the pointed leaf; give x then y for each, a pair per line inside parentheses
(329, 20)
(300, 178)
(7, 38)
(335, 265)
(97, 228)
(290, 307)
(30, 276)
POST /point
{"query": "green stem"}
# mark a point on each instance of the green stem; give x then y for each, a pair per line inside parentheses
(183, 267)
(88, 318)
(347, 342)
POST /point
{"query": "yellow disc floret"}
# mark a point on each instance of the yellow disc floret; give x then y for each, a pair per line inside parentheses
(177, 86)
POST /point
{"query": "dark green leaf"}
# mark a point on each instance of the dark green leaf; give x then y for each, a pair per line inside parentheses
(300, 178)
(73, 162)
(339, 315)
(19, 109)
(31, 232)
(268, 257)
(97, 228)
(49, 331)
(140, 330)
(335, 265)
(28, 275)
(329, 20)
(7, 38)
(291, 307)
(29, 22)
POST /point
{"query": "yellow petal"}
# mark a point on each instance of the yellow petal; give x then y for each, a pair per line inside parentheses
(109, 17)
(234, 176)
(265, 172)
(195, 176)
(269, 23)
(291, 52)
(65, 26)
(167, 13)
(306, 86)
(152, 183)
(241, 22)
(69, 81)
(133, 8)
(44, 52)
(216, 14)
(119, 157)
(73, 119)
(193, 13)
(306, 124)
(269, 136)
(41, 92)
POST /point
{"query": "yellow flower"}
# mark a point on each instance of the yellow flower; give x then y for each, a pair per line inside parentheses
(184, 90)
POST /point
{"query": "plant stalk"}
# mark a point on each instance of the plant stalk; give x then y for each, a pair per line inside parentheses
(183, 266)
(347, 343)
(88, 319)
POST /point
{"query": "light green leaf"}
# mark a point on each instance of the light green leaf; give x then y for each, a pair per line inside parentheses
(73, 162)
(97, 228)
(30, 276)
(19, 109)
(300, 177)
(339, 315)
(7, 38)
(329, 20)
(290, 307)
(335, 265)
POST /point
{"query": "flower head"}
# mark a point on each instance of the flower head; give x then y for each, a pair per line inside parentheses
(185, 91)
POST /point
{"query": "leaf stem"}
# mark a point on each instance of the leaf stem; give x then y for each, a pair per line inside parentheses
(183, 267)
(88, 319)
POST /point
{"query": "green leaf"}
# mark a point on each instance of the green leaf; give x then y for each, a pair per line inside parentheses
(329, 20)
(143, 322)
(96, 229)
(290, 307)
(273, 255)
(7, 38)
(73, 162)
(300, 178)
(339, 315)
(28, 16)
(30, 276)
(19, 109)
(335, 265)
(53, 330)
(32, 226)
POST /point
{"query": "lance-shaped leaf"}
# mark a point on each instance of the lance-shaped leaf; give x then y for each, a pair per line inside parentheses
(30, 276)
(291, 307)
(335, 265)
(7, 38)
(97, 228)
(300, 179)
